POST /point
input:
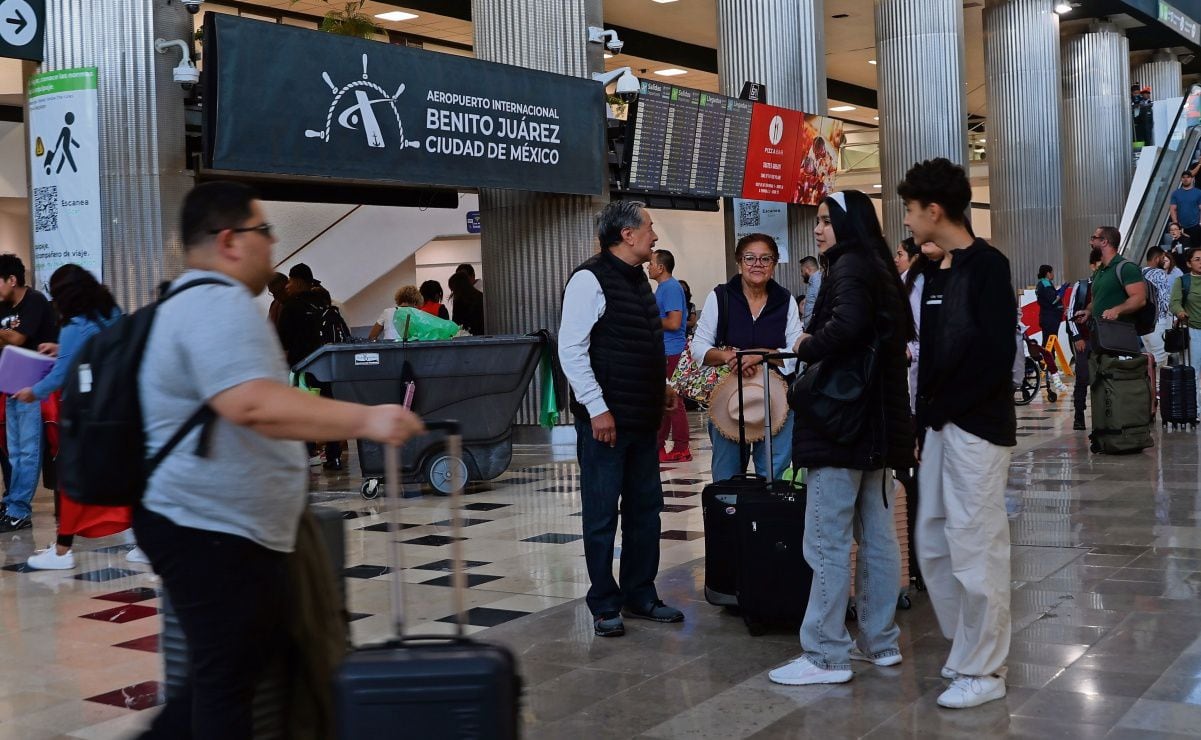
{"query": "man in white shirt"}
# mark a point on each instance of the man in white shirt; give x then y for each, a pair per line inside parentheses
(611, 349)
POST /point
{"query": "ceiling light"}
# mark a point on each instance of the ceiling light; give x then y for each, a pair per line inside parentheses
(842, 108)
(871, 61)
(983, 141)
(875, 118)
(396, 15)
(671, 72)
(608, 55)
(1062, 8)
(663, 2)
(875, 186)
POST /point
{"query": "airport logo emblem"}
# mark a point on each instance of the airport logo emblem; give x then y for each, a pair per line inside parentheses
(775, 131)
(354, 108)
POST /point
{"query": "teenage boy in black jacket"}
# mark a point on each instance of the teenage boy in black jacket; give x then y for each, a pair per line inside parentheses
(966, 405)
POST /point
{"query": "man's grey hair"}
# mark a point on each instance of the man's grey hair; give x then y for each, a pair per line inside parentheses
(618, 215)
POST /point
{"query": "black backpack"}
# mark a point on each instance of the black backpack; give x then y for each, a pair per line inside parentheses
(332, 327)
(102, 439)
(1145, 317)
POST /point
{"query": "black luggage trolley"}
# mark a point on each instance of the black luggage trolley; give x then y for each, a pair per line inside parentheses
(481, 380)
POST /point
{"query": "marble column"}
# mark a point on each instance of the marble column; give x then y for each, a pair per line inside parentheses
(1098, 159)
(923, 101)
(780, 43)
(143, 172)
(1025, 171)
(1162, 74)
(532, 241)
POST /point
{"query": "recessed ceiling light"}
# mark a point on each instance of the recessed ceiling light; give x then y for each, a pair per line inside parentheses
(842, 108)
(396, 15)
(871, 61)
(983, 141)
(1062, 8)
(608, 55)
(875, 186)
(663, 2)
(671, 72)
(875, 118)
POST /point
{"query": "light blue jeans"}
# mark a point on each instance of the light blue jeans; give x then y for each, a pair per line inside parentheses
(727, 463)
(842, 503)
(23, 422)
(1194, 351)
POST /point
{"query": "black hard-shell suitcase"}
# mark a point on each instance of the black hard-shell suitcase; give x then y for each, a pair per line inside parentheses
(428, 687)
(719, 510)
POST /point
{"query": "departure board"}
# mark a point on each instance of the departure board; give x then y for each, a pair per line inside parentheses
(736, 134)
(707, 155)
(647, 151)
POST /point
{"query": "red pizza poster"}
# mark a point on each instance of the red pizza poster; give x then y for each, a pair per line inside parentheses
(771, 155)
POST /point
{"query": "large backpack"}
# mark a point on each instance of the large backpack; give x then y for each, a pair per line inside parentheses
(1145, 317)
(332, 327)
(102, 443)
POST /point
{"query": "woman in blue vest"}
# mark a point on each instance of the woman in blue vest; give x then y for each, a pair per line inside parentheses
(751, 311)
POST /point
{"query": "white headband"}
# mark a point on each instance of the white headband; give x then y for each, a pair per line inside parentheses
(841, 199)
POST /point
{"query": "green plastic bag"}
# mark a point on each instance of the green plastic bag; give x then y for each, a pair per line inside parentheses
(415, 324)
(548, 415)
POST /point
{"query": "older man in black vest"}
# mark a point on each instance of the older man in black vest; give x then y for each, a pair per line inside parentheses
(611, 349)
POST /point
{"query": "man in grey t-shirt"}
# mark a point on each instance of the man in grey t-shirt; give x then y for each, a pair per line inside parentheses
(218, 527)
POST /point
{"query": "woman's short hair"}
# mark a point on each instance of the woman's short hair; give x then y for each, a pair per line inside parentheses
(750, 239)
(1044, 270)
(408, 295)
(431, 291)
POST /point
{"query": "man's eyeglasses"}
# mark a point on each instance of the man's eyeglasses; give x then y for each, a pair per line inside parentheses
(263, 228)
(758, 259)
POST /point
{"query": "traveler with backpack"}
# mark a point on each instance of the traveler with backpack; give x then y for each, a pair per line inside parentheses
(1080, 335)
(27, 321)
(307, 322)
(85, 307)
(1119, 288)
(862, 319)
(1157, 276)
(1186, 304)
(220, 512)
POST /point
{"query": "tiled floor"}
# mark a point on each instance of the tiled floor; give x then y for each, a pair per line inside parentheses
(1106, 606)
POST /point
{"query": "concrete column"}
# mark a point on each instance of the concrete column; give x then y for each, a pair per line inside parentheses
(1098, 157)
(1021, 62)
(1162, 74)
(532, 241)
(780, 43)
(923, 101)
(143, 172)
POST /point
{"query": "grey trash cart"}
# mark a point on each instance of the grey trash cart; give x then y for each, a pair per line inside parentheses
(481, 380)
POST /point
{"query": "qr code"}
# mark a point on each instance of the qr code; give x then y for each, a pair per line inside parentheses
(45, 208)
(748, 213)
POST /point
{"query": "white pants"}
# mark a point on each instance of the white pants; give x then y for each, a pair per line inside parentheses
(1153, 342)
(963, 546)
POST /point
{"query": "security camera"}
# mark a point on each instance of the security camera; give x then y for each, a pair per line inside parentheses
(186, 73)
(598, 35)
(624, 77)
(193, 6)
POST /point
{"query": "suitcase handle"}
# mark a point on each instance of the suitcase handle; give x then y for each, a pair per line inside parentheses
(454, 450)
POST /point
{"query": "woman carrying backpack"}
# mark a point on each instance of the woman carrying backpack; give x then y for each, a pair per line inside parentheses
(85, 307)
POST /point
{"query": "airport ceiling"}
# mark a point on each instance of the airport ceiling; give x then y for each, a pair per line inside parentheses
(683, 34)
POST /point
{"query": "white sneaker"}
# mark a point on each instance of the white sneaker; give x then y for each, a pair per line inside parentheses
(948, 674)
(972, 691)
(49, 559)
(801, 672)
(883, 661)
(136, 555)
(316, 461)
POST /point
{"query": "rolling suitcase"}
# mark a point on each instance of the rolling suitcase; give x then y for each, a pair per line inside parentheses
(1122, 404)
(772, 577)
(1178, 388)
(428, 687)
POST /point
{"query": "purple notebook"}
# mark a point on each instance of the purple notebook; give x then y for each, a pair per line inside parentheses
(21, 368)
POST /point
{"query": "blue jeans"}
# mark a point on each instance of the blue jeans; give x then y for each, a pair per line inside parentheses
(23, 422)
(842, 503)
(727, 463)
(620, 479)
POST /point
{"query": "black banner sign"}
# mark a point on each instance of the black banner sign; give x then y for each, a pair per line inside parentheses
(293, 101)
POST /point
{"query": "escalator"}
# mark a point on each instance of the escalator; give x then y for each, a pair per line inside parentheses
(1157, 176)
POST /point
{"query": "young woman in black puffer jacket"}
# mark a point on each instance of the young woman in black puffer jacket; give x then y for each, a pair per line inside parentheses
(862, 302)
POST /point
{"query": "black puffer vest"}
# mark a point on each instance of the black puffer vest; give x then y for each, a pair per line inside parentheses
(626, 350)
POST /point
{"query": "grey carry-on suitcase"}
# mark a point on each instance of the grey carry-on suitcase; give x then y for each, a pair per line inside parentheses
(428, 687)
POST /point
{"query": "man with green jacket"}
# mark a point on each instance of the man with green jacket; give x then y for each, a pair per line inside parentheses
(1186, 303)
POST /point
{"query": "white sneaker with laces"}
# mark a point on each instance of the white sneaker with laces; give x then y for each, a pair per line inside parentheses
(883, 661)
(49, 559)
(801, 672)
(136, 555)
(972, 691)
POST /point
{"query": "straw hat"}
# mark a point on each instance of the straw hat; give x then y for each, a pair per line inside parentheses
(723, 405)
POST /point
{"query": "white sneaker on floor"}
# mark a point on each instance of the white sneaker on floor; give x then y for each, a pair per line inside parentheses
(883, 661)
(801, 672)
(972, 691)
(49, 559)
(136, 555)
(316, 461)
(947, 673)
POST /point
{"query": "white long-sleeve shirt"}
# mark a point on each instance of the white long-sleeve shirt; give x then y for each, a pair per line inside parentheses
(583, 305)
(706, 332)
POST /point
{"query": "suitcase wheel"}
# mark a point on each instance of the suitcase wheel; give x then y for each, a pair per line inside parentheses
(904, 602)
(370, 488)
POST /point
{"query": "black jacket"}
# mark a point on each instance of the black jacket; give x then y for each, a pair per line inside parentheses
(971, 380)
(469, 310)
(1050, 307)
(300, 323)
(858, 302)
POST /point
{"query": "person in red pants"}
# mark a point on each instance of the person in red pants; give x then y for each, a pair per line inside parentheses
(673, 310)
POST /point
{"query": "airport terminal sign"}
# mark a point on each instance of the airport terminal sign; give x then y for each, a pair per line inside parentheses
(291, 101)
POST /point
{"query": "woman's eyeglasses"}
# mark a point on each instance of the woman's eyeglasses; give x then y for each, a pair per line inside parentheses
(758, 259)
